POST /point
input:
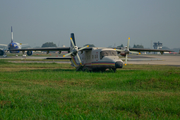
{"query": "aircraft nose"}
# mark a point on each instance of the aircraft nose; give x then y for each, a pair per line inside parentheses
(118, 64)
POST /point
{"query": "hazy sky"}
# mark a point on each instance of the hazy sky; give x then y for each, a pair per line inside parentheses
(98, 22)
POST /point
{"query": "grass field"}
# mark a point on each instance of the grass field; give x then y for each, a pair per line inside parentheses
(57, 91)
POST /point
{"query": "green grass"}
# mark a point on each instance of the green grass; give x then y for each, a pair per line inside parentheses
(57, 91)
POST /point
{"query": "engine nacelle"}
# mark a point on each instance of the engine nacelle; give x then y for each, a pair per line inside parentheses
(123, 54)
(29, 53)
(2, 52)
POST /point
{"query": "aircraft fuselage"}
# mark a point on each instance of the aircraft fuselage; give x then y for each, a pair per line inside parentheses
(98, 59)
(14, 45)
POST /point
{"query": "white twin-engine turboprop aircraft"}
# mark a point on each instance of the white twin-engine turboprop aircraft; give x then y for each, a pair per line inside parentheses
(93, 58)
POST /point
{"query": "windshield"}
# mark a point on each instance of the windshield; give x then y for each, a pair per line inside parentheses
(107, 53)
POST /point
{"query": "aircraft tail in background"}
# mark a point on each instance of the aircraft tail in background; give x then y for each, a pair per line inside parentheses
(11, 35)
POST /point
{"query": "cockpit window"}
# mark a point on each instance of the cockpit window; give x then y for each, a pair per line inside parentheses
(107, 53)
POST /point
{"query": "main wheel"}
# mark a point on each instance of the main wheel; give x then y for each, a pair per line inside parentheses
(114, 69)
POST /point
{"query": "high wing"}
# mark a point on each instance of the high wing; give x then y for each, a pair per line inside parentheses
(48, 49)
(86, 49)
(44, 49)
(149, 50)
(24, 44)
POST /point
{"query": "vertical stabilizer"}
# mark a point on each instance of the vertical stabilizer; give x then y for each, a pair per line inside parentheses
(11, 34)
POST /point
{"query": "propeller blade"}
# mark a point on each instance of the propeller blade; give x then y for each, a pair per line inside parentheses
(73, 38)
(126, 59)
(83, 48)
(134, 52)
(127, 50)
(79, 59)
(67, 54)
(72, 42)
(128, 43)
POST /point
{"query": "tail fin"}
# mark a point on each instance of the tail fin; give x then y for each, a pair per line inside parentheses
(11, 34)
(73, 39)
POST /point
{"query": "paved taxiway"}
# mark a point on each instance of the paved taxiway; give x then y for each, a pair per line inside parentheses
(155, 59)
(133, 59)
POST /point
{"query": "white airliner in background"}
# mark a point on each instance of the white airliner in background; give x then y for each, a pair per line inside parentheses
(12, 45)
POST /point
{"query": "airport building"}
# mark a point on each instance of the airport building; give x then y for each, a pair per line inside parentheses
(157, 45)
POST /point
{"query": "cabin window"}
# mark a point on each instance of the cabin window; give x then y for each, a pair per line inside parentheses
(107, 53)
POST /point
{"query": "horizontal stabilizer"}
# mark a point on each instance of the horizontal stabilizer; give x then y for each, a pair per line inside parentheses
(64, 58)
